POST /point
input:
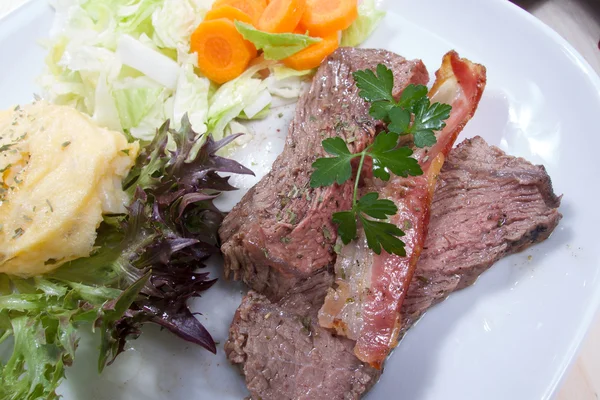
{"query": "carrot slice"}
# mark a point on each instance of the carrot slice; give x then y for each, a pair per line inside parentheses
(301, 29)
(254, 8)
(228, 12)
(313, 55)
(223, 54)
(324, 17)
(281, 16)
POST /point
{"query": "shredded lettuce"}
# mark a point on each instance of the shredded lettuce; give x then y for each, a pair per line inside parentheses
(134, 103)
(150, 62)
(175, 21)
(281, 72)
(368, 19)
(191, 97)
(261, 102)
(116, 60)
(264, 113)
(127, 64)
(233, 97)
(105, 109)
(286, 83)
(276, 46)
(287, 88)
(132, 16)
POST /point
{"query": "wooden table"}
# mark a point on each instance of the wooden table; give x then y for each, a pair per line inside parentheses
(578, 21)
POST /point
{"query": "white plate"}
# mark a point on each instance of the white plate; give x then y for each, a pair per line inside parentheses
(513, 334)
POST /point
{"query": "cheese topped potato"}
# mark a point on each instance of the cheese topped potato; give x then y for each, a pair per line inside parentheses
(59, 173)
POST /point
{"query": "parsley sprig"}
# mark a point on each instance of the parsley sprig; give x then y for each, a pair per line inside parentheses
(412, 114)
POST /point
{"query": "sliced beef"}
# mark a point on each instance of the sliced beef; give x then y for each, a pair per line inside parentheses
(281, 231)
(285, 354)
(486, 205)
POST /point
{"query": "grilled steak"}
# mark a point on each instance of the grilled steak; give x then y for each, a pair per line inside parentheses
(486, 205)
(285, 354)
(281, 231)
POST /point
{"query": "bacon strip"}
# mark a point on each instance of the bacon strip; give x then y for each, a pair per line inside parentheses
(364, 304)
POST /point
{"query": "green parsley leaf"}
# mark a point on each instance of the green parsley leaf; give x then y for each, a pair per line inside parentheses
(424, 138)
(383, 234)
(336, 146)
(380, 109)
(411, 95)
(386, 155)
(371, 205)
(375, 87)
(400, 120)
(346, 221)
(428, 117)
(333, 169)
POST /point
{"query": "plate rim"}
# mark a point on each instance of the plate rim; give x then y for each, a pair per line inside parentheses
(591, 312)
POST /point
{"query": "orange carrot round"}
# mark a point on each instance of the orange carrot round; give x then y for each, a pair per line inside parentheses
(313, 55)
(223, 53)
(281, 16)
(254, 8)
(301, 29)
(228, 12)
(324, 17)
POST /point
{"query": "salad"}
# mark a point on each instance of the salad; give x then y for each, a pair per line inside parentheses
(128, 66)
(131, 63)
(143, 267)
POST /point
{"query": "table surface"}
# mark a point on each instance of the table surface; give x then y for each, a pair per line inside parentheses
(578, 21)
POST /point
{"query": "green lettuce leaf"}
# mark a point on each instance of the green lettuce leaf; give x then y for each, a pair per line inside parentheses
(368, 19)
(191, 97)
(233, 97)
(282, 72)
(276, 46)
(42, 319)
(129, 16)
(134, 103)
(175, 21)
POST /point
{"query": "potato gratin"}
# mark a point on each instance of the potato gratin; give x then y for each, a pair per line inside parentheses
(59, 173)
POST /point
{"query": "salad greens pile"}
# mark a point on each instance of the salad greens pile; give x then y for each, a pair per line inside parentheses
(144, 268)
(127, 64)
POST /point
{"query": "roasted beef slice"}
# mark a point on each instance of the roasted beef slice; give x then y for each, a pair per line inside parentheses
(487, 205)
(281, 232)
